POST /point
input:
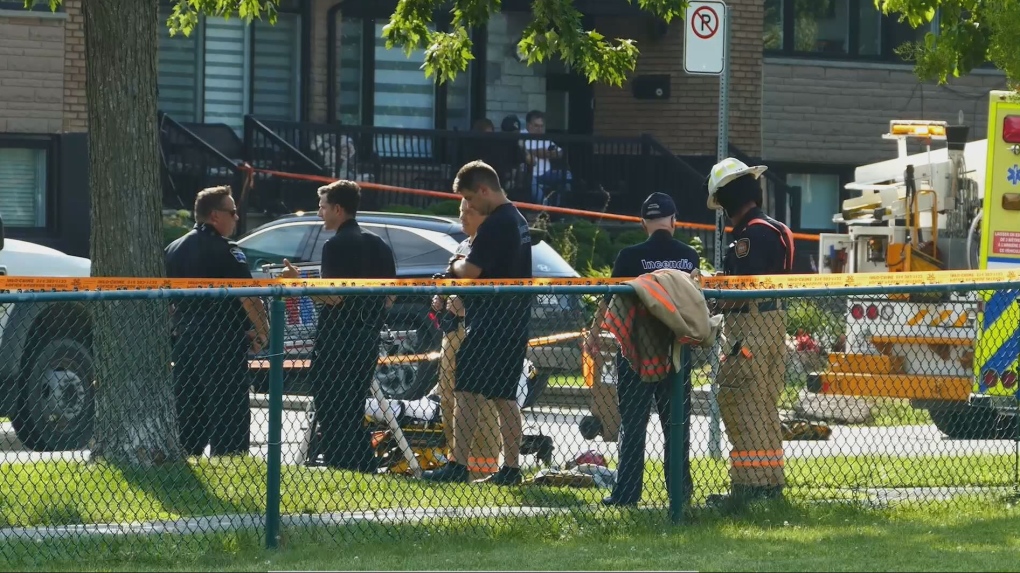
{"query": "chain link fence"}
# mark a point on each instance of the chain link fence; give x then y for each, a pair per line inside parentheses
(139, 412)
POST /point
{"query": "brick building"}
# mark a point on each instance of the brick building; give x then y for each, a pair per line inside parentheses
(42, 124)
(813, 85)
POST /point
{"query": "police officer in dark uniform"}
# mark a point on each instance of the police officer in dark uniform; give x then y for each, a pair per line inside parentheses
(346, 350)
(753, 374)
(213, 336)
(660, 251)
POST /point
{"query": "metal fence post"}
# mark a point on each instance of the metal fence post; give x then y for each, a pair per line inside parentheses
(276, 328)
(714, 415)
(679, 459)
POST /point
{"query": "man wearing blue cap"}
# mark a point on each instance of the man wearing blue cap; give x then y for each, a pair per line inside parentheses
(660, 251)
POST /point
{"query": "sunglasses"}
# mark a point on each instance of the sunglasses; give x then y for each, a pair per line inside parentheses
(233, 212)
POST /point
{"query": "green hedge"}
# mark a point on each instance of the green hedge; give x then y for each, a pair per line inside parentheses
(592, 249)
(176, 224)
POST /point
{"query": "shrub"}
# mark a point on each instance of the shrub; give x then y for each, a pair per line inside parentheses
(822, 325)
(176, 224)
(444, 208)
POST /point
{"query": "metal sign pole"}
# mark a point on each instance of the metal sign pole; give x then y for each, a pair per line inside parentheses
(714, 425)
(722, 151)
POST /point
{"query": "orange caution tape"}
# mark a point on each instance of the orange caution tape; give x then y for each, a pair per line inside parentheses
(63, 284)
(518, 204)
(763, 282)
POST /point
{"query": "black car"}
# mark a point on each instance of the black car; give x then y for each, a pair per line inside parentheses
(422, 246)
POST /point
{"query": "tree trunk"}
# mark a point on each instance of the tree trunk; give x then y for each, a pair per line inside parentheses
(135, 420)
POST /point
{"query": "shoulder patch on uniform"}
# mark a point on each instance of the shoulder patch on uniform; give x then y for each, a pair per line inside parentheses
(742, 247)
(238, 254)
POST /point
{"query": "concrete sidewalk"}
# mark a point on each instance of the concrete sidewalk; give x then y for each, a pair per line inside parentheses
(236, 522)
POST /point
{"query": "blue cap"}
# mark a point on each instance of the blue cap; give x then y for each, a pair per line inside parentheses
(657, 206)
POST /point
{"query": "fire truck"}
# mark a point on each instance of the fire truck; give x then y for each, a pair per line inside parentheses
(954, 208)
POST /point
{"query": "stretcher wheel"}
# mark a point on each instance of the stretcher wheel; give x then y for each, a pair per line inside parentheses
(590, 427)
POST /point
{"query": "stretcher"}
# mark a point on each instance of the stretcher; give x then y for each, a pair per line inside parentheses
(408, 437)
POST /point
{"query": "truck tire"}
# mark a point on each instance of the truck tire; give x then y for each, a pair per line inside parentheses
(967, 422)
(56, 406)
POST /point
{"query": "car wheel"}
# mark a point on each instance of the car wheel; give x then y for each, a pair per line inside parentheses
(410, 380)
(57, 401)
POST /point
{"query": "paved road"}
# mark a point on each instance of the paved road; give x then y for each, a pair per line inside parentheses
(561, 424)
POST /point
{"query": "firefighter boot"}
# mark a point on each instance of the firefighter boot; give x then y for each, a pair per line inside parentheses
(743, 496)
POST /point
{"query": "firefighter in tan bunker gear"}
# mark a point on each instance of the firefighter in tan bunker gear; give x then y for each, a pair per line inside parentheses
(753, 371)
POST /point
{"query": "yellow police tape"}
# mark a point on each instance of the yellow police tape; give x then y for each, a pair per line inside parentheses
(764, 282)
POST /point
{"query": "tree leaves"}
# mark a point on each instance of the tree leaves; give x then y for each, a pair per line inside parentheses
(970, 33)
(555, 30)
(184, 16)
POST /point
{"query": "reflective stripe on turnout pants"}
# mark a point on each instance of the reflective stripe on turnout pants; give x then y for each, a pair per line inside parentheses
(750, 384)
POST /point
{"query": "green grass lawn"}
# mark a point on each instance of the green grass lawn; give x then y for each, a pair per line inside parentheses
(780, 537)
(68, 493)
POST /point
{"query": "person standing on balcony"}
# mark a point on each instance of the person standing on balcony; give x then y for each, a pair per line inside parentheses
(483, 458)
(541, 153)
(212, 337)
(346, 350)
(496, 339)
(753, 373)
(660, 251)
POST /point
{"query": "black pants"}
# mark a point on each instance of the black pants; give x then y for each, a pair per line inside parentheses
(211, 386)
(636, 398)
(343, 366)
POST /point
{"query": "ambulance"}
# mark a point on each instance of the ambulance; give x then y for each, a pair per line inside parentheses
(954, 208)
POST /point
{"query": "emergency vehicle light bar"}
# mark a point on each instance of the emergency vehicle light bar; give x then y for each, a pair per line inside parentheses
(916, 128)
(1011, 129)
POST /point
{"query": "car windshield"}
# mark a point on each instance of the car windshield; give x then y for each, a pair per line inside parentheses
(546, 262)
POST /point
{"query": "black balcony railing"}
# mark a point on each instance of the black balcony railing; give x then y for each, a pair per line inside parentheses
(195, 156)
(588, 172)
(266, 149)
(593, 173)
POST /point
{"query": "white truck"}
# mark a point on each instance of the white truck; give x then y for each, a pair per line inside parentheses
(47, 375)
(917, 212)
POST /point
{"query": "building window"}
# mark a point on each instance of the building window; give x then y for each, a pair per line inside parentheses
(458, 100)
(350, 61)
(835, 29)
(773, 34)
(404, 97)
(819, 199)
(384, 87)
(227, 69)
(37, 5)
(822, 26)
(23, 185)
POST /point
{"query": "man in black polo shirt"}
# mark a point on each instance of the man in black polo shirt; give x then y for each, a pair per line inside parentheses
(347, 342)
(660, 251)
(491, 357)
